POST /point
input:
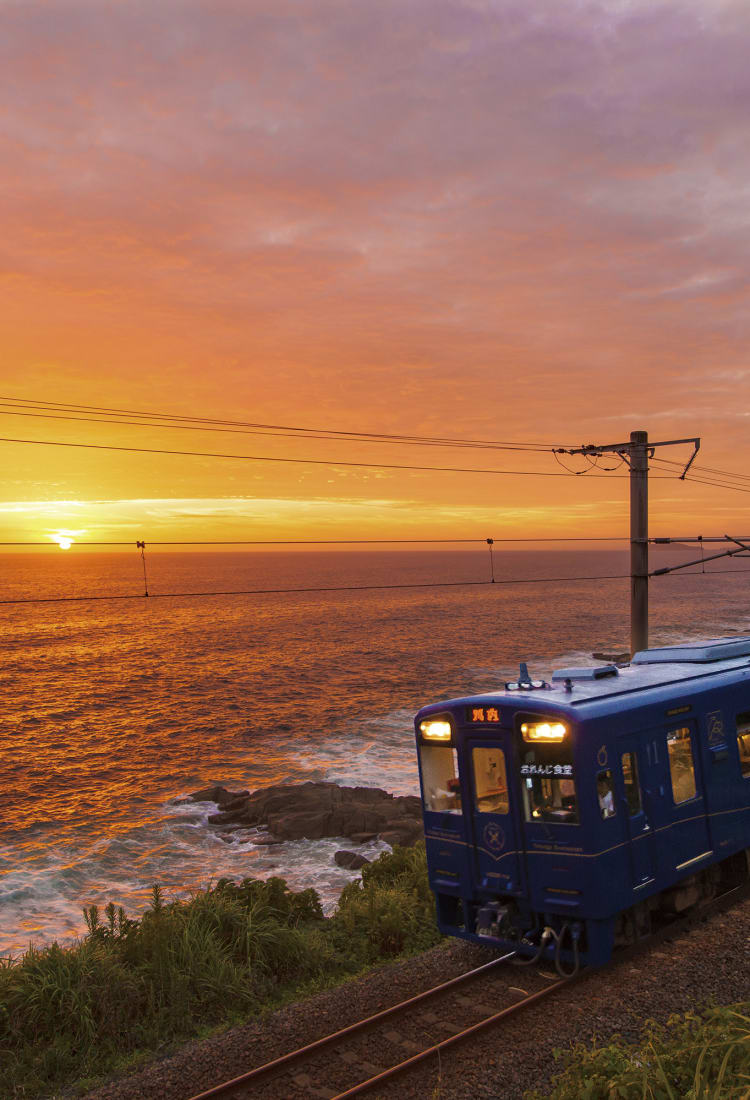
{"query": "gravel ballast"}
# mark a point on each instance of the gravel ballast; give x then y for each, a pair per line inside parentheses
(709, 962)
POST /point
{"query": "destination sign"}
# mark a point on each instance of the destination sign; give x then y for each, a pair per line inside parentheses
(483, 714)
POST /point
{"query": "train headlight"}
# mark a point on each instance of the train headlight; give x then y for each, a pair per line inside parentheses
(543, 731)
(435, 729)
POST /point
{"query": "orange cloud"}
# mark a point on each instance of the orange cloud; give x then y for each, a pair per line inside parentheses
(455, 218)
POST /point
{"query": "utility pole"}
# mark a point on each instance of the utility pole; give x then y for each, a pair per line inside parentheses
(638, 541)
(637, 453)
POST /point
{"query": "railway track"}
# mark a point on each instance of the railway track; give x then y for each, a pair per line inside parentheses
(372, 1052)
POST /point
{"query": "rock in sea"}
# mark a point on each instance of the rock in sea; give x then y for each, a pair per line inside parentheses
(352, 861)
(296, 811)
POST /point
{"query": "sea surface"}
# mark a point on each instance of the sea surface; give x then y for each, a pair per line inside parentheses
(112, 711)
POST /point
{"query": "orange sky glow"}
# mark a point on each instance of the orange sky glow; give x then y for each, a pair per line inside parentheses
(513, 220)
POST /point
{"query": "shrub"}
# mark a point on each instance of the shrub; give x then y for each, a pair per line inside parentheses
(391, 912)
(134, 985)
(699, 1056)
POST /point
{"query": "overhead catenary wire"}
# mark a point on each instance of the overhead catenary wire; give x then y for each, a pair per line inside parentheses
(514, 581)
(311, 589)
(72, 411)
(702, 479)
(302, 461)
(322, 435)
(51, 544)
(705, 469)
(347, 434)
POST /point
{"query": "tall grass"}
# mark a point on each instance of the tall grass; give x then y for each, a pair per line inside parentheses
(130, 986)
(699, 1056)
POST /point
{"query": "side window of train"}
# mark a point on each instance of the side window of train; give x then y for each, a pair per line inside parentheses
(632, 785)
(490, 781)
(442, 790)
(681, 764)
(605, 789)
(743, 742)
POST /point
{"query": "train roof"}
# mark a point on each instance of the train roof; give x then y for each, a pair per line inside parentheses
(664, 667)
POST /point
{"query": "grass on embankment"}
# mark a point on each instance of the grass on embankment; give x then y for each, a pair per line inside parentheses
(699, 1056)
(132, 986)
(129, 988)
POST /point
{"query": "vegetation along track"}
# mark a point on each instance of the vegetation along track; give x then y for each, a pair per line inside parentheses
(369, 1053)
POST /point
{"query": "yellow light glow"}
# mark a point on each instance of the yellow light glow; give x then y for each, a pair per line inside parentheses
(543, 731)
(435, 730)
(63, 541)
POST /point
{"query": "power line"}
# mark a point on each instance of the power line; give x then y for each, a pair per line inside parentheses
(714, 484)
(52, 545)
(702, 479)
(717, 485)
(701, 573)
(341, 588)
(186, 421)
(338, 437)
(312, 589)
(301, 461)
(705, 469)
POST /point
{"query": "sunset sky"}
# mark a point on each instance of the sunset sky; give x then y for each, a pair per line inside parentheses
(514, 220)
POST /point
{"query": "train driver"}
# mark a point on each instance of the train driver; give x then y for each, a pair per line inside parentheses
(606, 798)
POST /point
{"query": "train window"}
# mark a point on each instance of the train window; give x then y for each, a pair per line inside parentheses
(632, 786)
(440, 783)
(549, 790)
(605, 790)
(490, 782)
(743, 741)
(681, 766)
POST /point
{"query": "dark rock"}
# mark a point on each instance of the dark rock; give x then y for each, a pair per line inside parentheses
(352, 861)
(220, 795)
(403, 837)
(612, 658)
(235, 803)
(293, 811)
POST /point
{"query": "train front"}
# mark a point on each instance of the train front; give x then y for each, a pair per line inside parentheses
(499, 785)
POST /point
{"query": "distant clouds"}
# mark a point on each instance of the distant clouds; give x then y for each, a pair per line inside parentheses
(504, 218)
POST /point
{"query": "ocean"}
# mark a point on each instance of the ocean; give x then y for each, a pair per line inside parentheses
(114, 711)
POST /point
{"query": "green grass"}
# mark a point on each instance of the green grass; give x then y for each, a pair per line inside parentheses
(129, 988)
(699, 1056)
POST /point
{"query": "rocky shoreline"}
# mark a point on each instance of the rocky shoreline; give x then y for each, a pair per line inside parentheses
(313, 810)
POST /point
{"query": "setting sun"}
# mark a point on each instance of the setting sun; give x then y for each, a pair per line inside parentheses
(63, 539)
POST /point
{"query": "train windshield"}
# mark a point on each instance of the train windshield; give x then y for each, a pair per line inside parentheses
(548, 783)
(441, 789)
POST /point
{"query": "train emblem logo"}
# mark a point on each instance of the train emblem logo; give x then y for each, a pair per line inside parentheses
(494, 837)
(715, 727)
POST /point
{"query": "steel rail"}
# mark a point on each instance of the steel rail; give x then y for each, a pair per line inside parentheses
(681, 924)
(488, 1021)
(272, 1068)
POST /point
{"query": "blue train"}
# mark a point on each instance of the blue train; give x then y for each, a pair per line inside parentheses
(565, 818)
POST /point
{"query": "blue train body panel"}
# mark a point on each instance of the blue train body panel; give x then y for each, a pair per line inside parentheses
(589, 805)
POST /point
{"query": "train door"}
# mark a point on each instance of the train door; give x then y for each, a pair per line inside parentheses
(495, 817)
(639, 829)
(688, 832)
